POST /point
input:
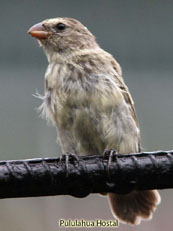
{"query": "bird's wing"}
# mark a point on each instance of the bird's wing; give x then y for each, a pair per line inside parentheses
(126, 94)
(125, 91)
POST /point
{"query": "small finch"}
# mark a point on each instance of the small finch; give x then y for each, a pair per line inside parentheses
(90, 105)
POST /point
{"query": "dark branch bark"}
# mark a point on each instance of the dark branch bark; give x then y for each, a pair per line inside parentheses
(89, 174)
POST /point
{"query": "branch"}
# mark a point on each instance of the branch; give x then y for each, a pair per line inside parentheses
(88, 174)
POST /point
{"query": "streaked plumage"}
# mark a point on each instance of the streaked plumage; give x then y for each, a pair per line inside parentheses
(89, 103)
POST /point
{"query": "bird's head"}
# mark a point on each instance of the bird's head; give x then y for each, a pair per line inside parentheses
(62, 36)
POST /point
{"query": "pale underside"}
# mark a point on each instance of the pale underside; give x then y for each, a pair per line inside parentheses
(92, 112)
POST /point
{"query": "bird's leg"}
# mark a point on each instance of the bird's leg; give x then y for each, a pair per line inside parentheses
(110, 154)
(68, 156)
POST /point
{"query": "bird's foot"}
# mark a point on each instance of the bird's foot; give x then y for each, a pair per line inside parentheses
(68, 156)
(110, 154)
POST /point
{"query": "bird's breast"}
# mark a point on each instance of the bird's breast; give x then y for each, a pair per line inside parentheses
(70, 89)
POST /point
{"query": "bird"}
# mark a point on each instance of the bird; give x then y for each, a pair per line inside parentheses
(89, 103)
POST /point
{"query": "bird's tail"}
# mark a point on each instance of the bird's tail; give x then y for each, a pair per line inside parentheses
(135, 206)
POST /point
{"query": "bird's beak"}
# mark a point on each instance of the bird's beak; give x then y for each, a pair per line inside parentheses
(39, 32)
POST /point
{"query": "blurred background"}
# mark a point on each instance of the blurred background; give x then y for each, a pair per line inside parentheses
(140, 36)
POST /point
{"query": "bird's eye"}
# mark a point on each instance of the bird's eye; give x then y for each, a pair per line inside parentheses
(61, 26)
